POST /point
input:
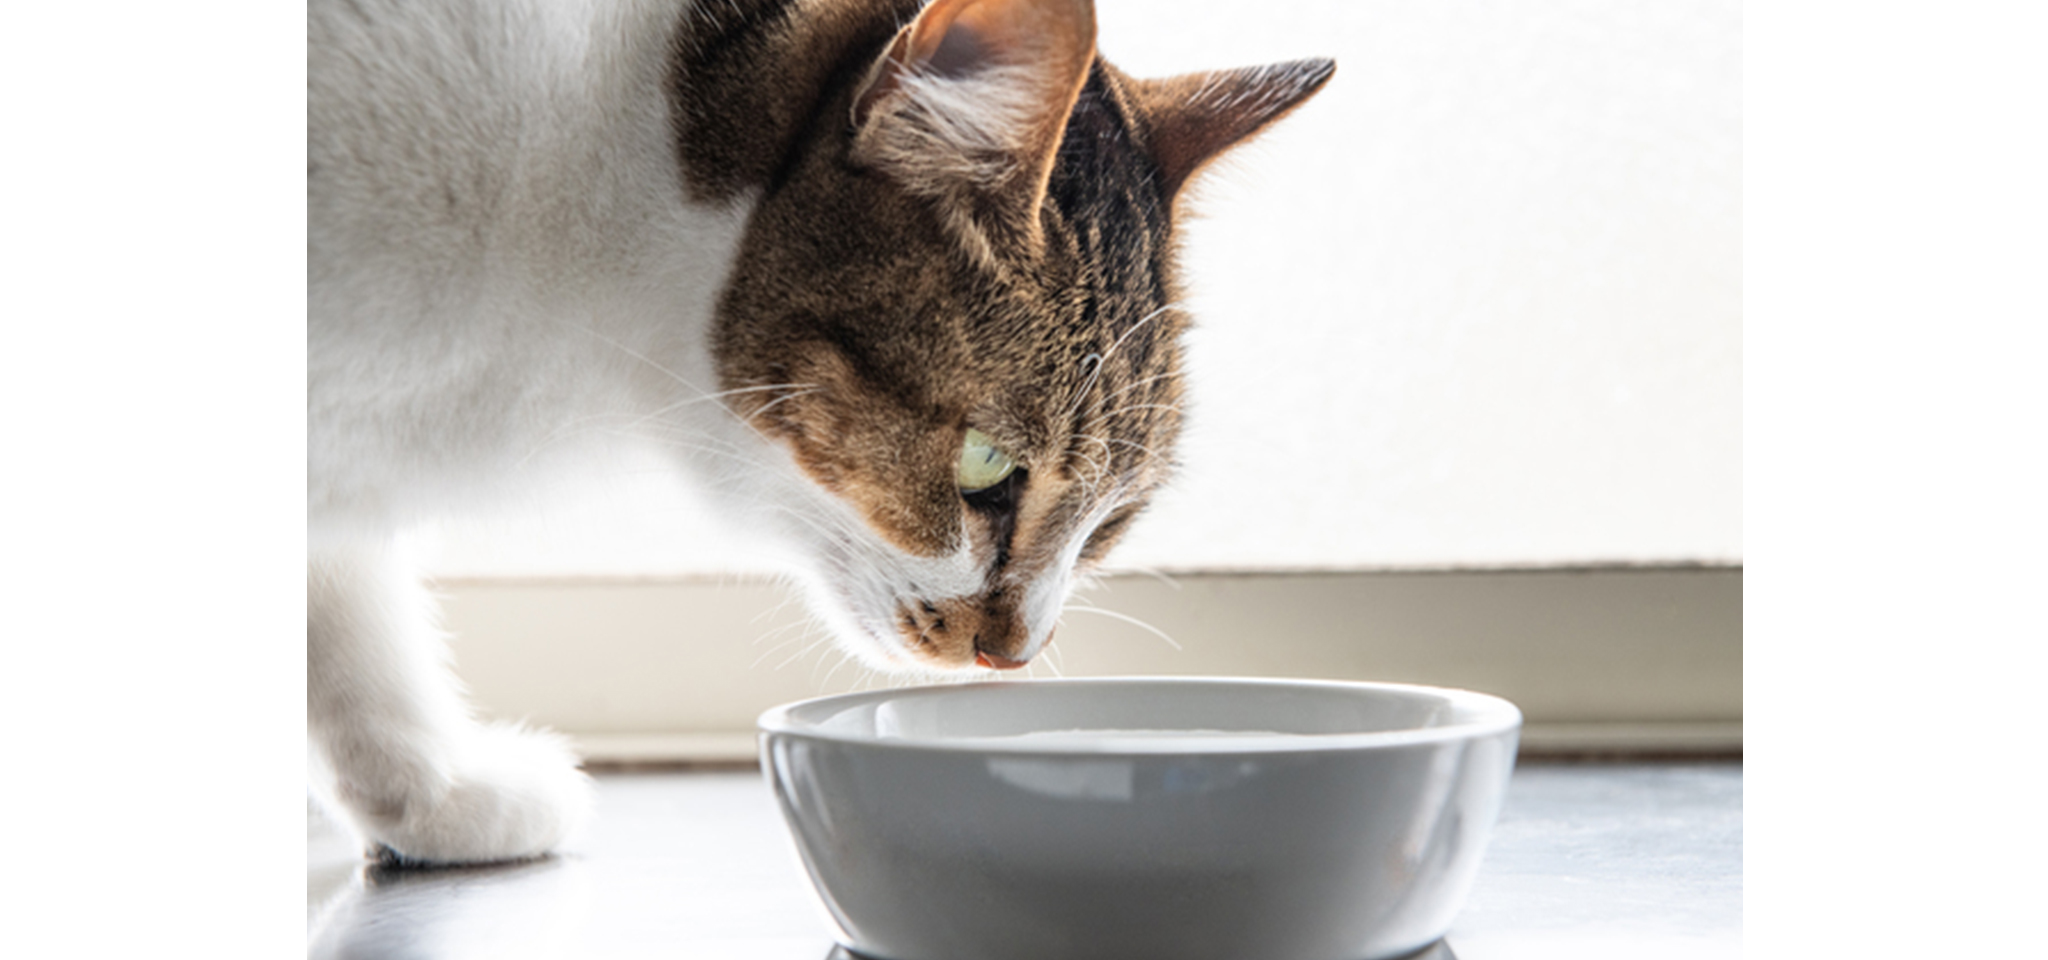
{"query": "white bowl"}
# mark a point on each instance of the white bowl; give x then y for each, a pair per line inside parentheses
(1138, 818)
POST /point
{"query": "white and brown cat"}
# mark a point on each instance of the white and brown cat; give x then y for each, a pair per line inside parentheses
(892, 282)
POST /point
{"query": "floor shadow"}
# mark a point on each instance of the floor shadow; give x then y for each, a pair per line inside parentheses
(1440, 950)
(406, 912)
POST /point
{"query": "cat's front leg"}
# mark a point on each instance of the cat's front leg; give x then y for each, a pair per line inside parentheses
(395, 750)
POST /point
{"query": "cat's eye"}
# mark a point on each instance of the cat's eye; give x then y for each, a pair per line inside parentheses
(981, 465)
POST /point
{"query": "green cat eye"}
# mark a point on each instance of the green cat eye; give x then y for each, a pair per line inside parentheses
(981, 465)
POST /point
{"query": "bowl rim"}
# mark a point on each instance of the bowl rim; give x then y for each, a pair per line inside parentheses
(1496, 716)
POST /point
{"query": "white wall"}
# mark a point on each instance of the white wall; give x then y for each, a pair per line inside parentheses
(1478, 304)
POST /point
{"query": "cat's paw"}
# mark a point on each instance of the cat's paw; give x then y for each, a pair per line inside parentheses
(516, 794)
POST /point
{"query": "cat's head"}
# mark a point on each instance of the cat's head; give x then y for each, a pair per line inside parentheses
(955, 314)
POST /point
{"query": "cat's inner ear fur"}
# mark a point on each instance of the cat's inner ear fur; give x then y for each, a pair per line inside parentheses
(967, 105)
(1195, 117)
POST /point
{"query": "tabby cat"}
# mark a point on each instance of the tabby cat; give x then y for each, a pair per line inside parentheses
(893, 283)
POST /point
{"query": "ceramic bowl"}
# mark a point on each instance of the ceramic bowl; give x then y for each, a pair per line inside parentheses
(1142, 818)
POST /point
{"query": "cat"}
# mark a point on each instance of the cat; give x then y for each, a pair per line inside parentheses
(893, 283)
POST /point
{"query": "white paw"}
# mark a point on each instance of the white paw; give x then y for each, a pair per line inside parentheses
(515, 794)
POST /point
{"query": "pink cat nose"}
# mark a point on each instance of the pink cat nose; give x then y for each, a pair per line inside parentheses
(995, 661)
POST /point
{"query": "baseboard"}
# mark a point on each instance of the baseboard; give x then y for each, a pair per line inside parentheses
(1630, 660)
(628, 751)
(1720, 740)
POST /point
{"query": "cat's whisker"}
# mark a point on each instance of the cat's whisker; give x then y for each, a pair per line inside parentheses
(663, 411)
(815, 643)
(1104, 417)
(1106, 412)
(787, 599)
(748, 421)
(1097, 468)
(1156, 575)
(1129, 409)
(627, 423)
(800, 629)
(758, 388)
(701, 394)
(842, 529)
(755, 664)
(1087, 383)
(629, 351)
(764, 408)
(792, 658)
(1127, 618)
(620, 424)
(774, 632)
(1138, 385)
(1102, 359)
(1147, 451)
(1142, 321)
(1051, 656)
(771, 651)
(676, 439)
(844, 659)
(839, 530)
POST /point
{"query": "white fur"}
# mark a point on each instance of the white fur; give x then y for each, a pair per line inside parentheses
(505, 284)
(398, 756)
(503, 278)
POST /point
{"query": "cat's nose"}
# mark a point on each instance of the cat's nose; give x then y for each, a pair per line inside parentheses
(996, 661)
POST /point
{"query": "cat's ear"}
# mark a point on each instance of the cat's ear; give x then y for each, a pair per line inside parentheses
(968, 104)
(1194, 118)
